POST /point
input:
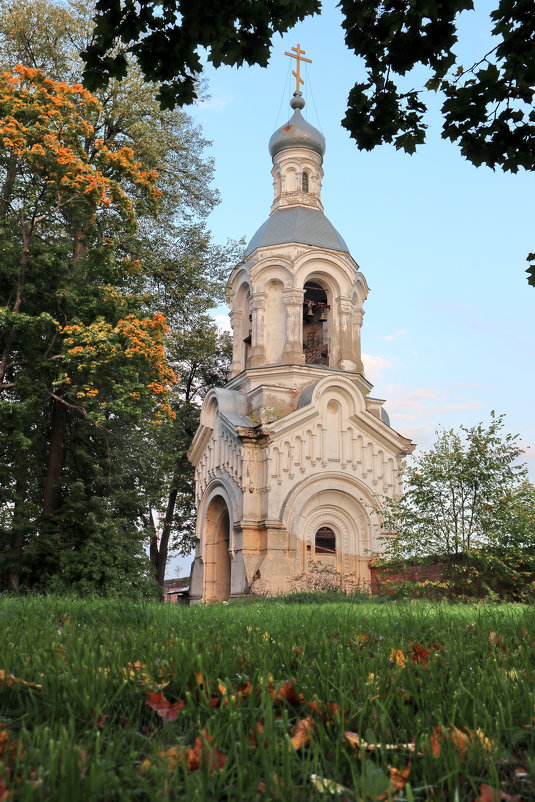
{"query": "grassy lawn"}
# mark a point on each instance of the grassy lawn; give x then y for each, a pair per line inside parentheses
(265, 700)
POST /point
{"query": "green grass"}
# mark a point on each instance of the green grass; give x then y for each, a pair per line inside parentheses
(85, 734)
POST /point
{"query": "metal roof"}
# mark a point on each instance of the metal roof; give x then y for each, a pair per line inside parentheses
(297, 133)
(298, 224)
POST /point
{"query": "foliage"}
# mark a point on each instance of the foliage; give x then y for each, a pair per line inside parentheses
(467, 505)
(276, 703)
(460, 495)
(487, 107)
(86, 307)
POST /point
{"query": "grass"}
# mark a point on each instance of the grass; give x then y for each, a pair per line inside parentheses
(89, 734)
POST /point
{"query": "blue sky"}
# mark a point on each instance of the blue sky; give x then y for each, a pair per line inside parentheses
(448, 329)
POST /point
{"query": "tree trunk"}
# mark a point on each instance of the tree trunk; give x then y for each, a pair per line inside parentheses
(158, 553)
(8, 186)
(23, 266)
(17, 539)
(56, 459)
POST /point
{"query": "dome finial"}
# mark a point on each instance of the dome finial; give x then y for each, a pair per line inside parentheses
(298, 101)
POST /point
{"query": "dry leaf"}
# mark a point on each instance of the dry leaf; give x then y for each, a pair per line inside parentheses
(285, 693)
(399, 778)
(419, 654)
(10, 680)
(358, 743)
(165, 709)
(302, 732)
(397, 657)
(324, 785)
(489, 794)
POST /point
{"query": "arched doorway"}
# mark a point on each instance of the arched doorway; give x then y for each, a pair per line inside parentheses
(217, 557)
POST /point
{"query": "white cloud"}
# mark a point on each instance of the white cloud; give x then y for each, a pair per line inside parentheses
(223, 323)
(465, 405)
(375, 366)
(396, 336)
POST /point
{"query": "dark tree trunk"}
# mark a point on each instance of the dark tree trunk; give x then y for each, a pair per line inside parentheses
(17, 539)
(56, 459)
(158, 551)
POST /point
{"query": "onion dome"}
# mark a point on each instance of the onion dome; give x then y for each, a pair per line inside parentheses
(297, 133)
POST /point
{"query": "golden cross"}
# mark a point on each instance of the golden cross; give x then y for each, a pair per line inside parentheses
(298, 56)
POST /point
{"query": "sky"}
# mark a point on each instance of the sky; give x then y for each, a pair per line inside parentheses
(448, 331)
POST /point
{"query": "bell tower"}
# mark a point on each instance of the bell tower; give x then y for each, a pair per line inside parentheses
(293, 455)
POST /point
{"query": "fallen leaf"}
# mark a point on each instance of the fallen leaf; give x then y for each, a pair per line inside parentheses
(258, 730)
(11, 679)
(165, 709)
(359, 743)
(399, 778)
(419, 654)
(302, 732)
(397, 657)
(201, 753)
(324, 785)
(460, 740)
(489, 794)
(285, 693)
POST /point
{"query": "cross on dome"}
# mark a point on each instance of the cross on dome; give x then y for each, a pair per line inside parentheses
(298, 56)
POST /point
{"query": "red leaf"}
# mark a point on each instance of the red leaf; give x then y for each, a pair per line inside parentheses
(419, 654)
(165, 709)
(301, 732)
(489, 794)
(286, 693)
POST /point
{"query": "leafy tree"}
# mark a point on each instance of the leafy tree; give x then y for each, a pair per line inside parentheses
(458, 495)
(466, 504)
(486, 107)
(201, 356)
(74, 340)
(92, 327)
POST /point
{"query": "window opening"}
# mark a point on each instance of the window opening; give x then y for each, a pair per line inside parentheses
(325, 541)
(315, 308)
(304, 182)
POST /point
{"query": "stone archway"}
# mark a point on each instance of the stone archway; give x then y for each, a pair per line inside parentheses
(217, 556)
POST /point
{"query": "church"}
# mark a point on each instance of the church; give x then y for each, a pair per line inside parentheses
(293, 456)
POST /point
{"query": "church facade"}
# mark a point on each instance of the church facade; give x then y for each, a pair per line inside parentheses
(293, 455)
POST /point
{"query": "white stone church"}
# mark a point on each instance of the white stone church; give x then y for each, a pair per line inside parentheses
(293, 455)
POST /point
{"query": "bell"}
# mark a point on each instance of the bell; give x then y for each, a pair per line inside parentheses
(323, 316)
(310, 311)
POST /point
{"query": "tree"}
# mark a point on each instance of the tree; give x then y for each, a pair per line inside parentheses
(460, 495)
(486, 107)
(115, 455)
(201, 357)
(75, 343)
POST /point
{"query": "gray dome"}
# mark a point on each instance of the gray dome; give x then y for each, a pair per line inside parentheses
(297, 224)
(297, 133)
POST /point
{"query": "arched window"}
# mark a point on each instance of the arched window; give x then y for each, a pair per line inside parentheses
(325, 541)
(304, 182)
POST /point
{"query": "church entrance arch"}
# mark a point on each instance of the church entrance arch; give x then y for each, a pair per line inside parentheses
(217, 556)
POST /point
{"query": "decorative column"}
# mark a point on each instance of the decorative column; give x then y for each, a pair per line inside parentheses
(347, 348)
(293, 349)
(258, 349)
(236, 323)
(357, 325)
